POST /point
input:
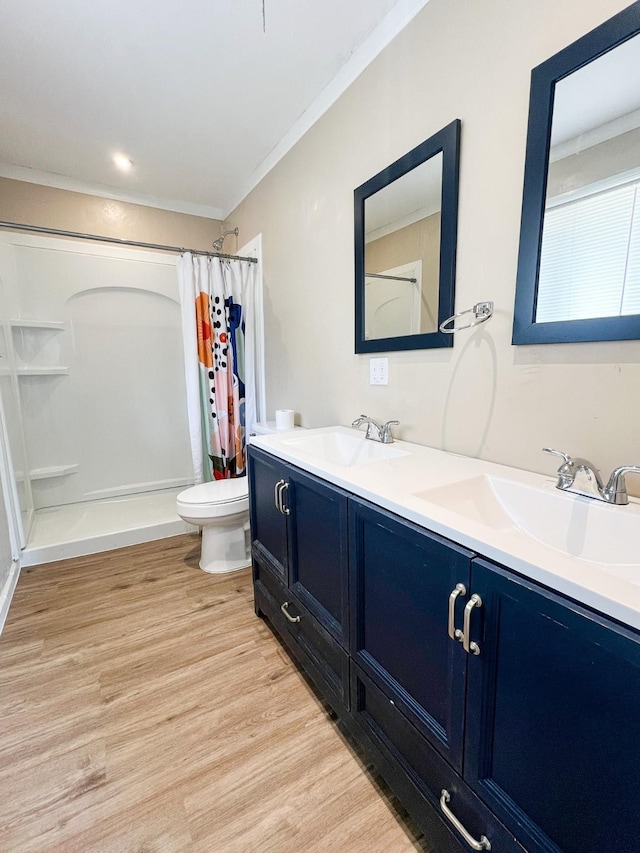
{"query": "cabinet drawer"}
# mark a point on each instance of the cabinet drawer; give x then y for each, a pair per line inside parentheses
(326, 662)
(425, 770)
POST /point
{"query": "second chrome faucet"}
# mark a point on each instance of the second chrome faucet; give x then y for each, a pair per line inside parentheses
(376, 431)
(589, 483)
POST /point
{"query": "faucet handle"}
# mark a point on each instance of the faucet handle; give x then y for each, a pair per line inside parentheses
(564, 455)
(385, 432)
(616, 489)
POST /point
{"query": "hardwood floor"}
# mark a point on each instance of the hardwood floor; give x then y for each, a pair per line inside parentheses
(145, 708)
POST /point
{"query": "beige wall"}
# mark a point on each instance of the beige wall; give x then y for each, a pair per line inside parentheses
(418, 241)
(613, 157)
(483, 397)
(32, 204)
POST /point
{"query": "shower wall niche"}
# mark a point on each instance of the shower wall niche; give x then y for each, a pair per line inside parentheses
(91, 375)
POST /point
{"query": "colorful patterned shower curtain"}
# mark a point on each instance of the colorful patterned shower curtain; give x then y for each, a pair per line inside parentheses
(217, 297)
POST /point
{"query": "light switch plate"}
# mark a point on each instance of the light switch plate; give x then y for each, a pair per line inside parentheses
(378, 371)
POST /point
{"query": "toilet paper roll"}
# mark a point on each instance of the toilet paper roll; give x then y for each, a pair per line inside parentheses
(284, 419)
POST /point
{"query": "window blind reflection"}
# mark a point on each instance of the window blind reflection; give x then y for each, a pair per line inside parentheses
(590, 259)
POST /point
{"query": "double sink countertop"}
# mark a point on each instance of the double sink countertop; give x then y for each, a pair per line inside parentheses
(583, 548)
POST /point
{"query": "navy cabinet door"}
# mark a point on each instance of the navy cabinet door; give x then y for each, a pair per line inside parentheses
(401, 578)
(268, 523)
(553, 703)
(318, 549)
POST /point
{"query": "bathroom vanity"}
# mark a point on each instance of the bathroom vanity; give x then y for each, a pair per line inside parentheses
(492, 678)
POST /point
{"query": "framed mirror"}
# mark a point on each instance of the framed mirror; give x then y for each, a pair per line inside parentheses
(405, 248)
(579, 262)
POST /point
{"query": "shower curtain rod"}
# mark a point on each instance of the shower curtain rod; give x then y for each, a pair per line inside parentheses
(77, 235)
(390, 277)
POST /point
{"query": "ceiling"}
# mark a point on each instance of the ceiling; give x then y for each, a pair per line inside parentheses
(601, 93)
(203, 95)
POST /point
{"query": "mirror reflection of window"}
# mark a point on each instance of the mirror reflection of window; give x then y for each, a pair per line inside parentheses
(402, 254)
(590, 258)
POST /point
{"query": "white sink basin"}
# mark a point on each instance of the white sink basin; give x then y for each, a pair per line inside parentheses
(577, 526)
(340, 449)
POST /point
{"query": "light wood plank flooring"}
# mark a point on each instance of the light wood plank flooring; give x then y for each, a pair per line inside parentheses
(144, 707)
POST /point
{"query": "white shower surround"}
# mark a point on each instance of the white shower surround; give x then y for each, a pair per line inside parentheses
(99, 369)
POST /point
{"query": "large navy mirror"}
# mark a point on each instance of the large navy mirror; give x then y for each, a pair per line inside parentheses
(405, 248)
(579, 262)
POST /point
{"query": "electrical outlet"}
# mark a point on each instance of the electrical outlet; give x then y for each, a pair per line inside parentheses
(378, 371)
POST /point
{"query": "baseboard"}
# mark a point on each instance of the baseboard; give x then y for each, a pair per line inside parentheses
(7, 592)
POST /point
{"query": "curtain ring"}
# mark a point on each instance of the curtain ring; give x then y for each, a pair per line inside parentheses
(482, 312)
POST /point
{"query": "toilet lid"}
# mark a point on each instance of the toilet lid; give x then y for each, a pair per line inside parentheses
(219, 492)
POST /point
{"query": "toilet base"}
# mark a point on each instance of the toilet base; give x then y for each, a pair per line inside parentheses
(225, 548)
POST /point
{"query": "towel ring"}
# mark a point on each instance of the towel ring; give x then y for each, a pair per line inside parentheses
(482, 311)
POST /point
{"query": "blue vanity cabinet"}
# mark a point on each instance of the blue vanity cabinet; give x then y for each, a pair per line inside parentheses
(408, 676)
(299, 530)
(523, 737)
(299, 550)
(401, 580)
(553, 709)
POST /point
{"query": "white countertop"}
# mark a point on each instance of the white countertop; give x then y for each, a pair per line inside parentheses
(396, 484)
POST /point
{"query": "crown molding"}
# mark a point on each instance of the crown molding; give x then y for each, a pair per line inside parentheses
(61, 182)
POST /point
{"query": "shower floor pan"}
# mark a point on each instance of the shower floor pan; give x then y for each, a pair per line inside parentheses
(74, 530)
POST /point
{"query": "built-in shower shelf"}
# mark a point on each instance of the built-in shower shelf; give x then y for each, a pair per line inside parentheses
(48, 472)
(53, 471)
(53, 325)
(42, 371)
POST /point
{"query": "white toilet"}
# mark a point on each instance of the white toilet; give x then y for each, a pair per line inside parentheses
(221, 509)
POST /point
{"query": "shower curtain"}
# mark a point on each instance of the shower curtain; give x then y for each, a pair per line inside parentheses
(217, 297)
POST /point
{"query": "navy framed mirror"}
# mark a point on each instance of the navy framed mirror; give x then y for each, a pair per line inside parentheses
(579, 261)
(405, 248)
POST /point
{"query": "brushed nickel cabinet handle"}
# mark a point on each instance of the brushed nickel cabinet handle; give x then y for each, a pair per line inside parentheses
(277, 494)
(471, 648)
(285, 610)
(455, 633)
(483, 844)
(283, 508)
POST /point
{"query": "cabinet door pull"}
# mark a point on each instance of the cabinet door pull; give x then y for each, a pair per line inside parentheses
(283, 508)
(483, 844)
(455, 633)
(277, 494)
(285, 610)
(471, 648)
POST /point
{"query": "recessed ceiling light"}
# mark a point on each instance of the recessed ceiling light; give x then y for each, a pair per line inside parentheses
(122, 162)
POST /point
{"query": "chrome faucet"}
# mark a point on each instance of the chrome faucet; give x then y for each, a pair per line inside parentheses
(376, 431)
(589, 483)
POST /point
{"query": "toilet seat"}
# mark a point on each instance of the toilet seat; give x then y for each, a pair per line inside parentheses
(216, 492)
(214, 500)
